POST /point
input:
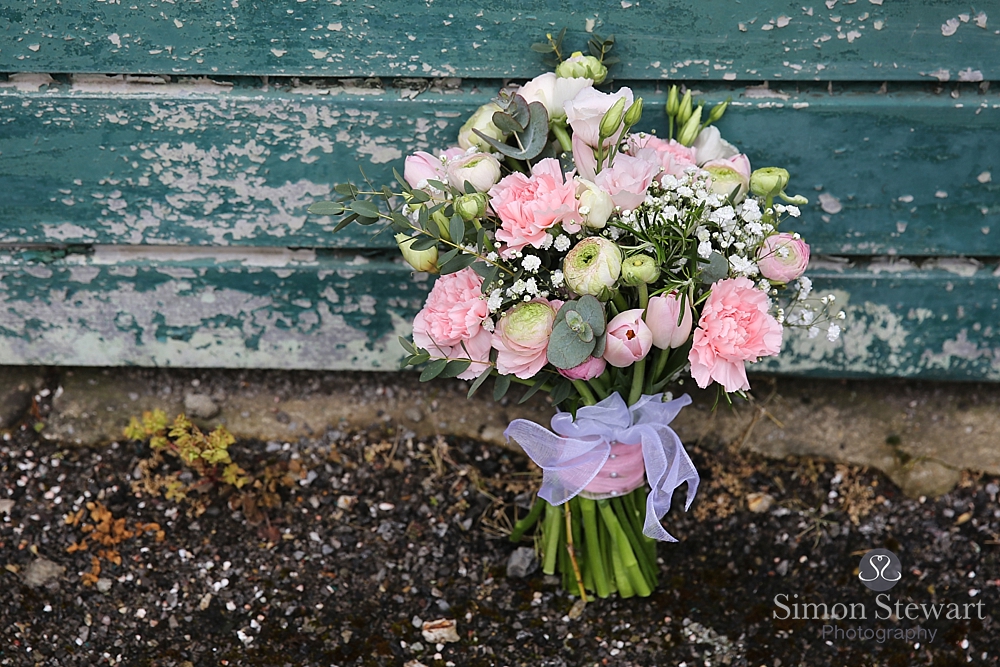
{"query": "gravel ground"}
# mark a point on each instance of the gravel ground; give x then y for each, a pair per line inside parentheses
(370, 535)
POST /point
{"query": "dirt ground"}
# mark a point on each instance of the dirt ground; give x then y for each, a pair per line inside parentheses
(356, 539)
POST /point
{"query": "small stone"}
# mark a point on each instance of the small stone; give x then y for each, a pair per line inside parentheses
(6, 506)
(417, 622)
(576, 610)
(441, 631)
(413, 414)
(206, 600)
(103, 585)
(521, 563)
(346, 502)
(200, 405)
(758, 503)
(41, 572)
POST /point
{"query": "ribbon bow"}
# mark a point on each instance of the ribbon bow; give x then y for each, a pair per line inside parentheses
(571, 459)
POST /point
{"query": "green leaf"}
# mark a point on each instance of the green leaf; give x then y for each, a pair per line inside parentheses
(424, 243)
(500, 387)
(400, 223)
(345, 189)
(419, 197)
(541, 47)
(506, 123)
(479, 382)
(717, 269)
(443, 187)
(457, 264)
(420, 358)
(326, 208)
(565, 349)
(539, 382)
(448, 256)
(592, 312)
(407, 345)
(455, 368)
(456, 229)
(600, 344)
(365, 209)
(433, 369)
(561, 391)
(399, 179)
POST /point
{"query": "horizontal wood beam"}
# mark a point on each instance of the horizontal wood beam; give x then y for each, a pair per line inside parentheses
(274, 308)
(679, 39)
(98, 160)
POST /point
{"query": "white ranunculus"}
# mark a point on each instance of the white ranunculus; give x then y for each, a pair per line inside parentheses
(593, 266)
(596, 205)
(481, 120)
(480, 169)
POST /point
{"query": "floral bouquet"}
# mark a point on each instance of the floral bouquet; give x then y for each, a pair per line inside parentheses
(601, 266)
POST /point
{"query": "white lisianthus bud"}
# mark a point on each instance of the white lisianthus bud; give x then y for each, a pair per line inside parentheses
(481, 120)
(593, 266)
(596, 205)
(581, 66)
(482, 170)
(420, 260)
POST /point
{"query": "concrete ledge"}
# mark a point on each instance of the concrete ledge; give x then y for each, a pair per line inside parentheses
(921, 434)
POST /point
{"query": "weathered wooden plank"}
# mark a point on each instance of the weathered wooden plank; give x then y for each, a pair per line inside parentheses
(278, 309)
(910, 172)
(688, 39)
(246, 309)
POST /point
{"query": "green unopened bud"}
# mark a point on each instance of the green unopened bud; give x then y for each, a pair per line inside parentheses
(768, 181)
(471, 206)
(673, 101)
(420, 260)
(797, 200)
(441, 220)
(613, 118)
(634, 113)
(689, 132)
(640, 269)
(579, 66)
(716, 113)
(684, 111)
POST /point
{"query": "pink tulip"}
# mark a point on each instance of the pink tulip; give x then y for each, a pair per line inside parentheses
(629, 339)
(662, 314)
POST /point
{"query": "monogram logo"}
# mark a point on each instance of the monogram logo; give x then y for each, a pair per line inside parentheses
(880, 570)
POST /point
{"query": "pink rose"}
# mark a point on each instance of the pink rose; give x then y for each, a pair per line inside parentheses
(529, 206)
(783, 257)
(627, 180)
(585, 111)
(588, 370)
(728, 174)
(522, 336)
(453, 315)
(674, 157)
(629, 339)
(735, 327)
(662, 314)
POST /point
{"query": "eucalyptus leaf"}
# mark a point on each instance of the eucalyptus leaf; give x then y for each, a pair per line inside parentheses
(561, 392)
(506, 123)
(539, 382)
(423, 243)
(592, 312)
(400, 222)
(364, 208)
(600, 344)
(456, 229)
(457, 264)
(407, 345)
(479, 382)
(565, 349)
(326, 208)
(455, 368)
(433, 369)
(419, 196)
(717, 269)
(345, 189)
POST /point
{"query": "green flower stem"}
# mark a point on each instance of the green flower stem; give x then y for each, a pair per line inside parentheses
(625, 520)
(643, 296)
(584, 391)
(638, 373)
(595, 555)
(559, 130)
(606, 550)
(584, 554)
(662, 356)
(521, 527)
(551, 534)
(599, 387)
(625, 589)
(620, 302)
(622, 552)
(571, 541)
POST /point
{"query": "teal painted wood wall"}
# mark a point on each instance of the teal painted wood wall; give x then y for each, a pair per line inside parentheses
(156, 160)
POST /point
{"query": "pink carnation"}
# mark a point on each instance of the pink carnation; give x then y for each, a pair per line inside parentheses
(627, 181)
(735, 327)
(673, 156)
(529, 206)
(453, 315)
